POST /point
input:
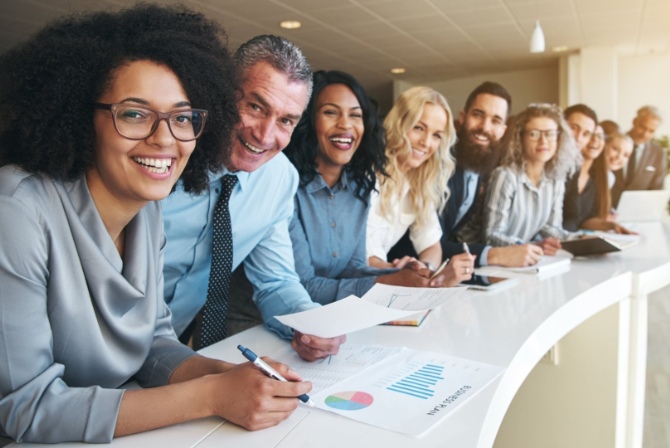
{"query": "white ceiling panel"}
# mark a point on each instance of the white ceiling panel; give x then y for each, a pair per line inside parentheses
(438, 38)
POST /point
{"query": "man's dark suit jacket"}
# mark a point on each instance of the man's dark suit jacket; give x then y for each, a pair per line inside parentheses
(448, 222)
(649, 173)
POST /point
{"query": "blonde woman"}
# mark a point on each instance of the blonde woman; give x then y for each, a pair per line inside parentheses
(419, 132)
(618, 149)
(524, 201)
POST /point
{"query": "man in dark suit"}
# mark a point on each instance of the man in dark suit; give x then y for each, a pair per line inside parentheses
(480, 127)
(647, 165)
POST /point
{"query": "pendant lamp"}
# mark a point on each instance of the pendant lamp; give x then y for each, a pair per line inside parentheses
(537, 39)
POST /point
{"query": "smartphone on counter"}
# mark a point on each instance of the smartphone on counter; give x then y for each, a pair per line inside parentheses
(489, 283)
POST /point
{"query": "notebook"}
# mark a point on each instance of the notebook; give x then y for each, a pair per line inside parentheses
(595, 245)
(410, 321)
(644, 205)
(546, 263)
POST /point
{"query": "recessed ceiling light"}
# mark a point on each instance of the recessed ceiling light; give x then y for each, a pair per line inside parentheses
(398, 70)
(560, 48)
(290, 24)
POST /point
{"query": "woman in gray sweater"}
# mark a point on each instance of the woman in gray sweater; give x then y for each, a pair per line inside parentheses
(99, 116)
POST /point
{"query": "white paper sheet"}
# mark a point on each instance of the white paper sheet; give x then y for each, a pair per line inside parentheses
(323, 373)
(408, 392)
(546, 264)
(416, 299)
(382, 303)
(342, 317)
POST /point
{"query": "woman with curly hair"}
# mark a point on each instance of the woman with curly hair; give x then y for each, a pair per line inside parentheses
(337, 147)
(420, 131)
(524, 199)
(100, 114)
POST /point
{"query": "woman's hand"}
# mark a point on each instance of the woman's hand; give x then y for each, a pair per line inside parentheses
(459, 269)
(413, 275)
(406, 262)
(549, 245)
(204, 387)
(247, 397)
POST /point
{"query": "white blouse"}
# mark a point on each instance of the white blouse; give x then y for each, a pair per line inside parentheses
(382, 234)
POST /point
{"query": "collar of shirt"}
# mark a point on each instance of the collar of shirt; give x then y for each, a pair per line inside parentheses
(470, 176)
(529, 184)
(242, 177)
(318, 183)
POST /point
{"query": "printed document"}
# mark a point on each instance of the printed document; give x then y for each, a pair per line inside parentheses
(381, 304)
(408, 392)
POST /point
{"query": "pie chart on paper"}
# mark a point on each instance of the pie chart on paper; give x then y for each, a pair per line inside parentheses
(349, 401)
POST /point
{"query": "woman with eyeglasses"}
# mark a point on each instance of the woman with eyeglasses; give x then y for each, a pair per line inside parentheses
(524, 200)
(99, 115)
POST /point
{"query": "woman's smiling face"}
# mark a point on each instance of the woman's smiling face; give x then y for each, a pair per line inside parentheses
(425, 136)
(338, 120)
(138, 171)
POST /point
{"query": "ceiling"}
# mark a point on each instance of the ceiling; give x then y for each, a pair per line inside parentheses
(433, 39)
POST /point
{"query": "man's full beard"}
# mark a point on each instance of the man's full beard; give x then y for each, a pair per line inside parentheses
(477, 158)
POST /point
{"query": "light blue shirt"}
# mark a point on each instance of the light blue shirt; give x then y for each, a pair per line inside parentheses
(471, 178)
(261, 209)
(328, 234)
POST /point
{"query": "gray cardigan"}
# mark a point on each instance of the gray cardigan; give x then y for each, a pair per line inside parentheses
(76, 320)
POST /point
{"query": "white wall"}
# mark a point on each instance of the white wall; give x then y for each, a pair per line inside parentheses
(525, 86)
(644, 80)
(616, 85)
(639, 80)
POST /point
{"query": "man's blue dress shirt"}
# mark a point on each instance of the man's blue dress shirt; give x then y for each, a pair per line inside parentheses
(261, 209)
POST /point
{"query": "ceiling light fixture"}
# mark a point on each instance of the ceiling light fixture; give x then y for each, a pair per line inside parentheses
(290, 24)
(537, 39)
(398, 70)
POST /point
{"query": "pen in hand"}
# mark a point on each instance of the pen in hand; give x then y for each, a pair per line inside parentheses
(439, 269)
(467, 249)
(269, 371)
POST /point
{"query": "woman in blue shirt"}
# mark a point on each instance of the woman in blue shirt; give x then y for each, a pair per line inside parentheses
(337, 147)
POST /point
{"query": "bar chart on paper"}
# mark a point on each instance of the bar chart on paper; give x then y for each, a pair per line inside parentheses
(420, 381)
(408, 392)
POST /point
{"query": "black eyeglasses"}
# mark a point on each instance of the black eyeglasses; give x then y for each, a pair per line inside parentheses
(139, 122)
(536, 134)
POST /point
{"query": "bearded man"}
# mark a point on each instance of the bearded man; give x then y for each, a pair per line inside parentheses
(481, 126)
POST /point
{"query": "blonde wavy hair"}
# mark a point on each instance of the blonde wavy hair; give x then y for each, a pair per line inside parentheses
(428, 190)
(567, 159)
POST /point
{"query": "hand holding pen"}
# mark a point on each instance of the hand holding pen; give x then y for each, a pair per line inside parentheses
(270, 371)
(453, 271)
(245, 396)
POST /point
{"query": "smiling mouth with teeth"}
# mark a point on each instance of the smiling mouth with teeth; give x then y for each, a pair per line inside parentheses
(346, 141)
(158, 166)
(252, 148)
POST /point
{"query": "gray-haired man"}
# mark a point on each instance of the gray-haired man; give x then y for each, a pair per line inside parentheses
(276, 84)
(647, 165)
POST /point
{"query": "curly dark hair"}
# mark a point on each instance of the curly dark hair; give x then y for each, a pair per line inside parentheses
(49, 83)
(370, 156)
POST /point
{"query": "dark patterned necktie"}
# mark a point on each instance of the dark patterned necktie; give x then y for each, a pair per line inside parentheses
(211, 326)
